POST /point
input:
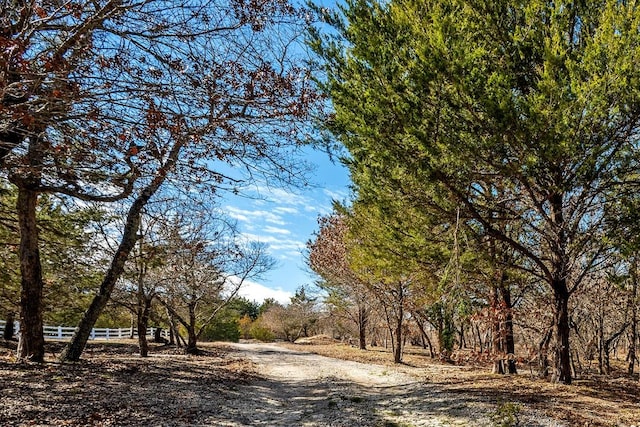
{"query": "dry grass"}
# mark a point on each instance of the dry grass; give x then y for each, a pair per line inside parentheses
(592, 400)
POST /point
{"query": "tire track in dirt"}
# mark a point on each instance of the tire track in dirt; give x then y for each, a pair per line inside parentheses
(304, 389)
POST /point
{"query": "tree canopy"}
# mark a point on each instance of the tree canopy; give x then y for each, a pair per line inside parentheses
(108, 100)
(521, 116)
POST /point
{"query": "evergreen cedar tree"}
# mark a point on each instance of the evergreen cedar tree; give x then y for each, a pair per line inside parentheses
(521, 117)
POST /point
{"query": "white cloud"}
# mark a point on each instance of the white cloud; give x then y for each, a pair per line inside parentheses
(286, 210)
(280, 196)
(254, 291)
(235, 214)
(290, 255)
(335, 195)
(276, 243)
(284, 199)
(288, 203)
(276, 230)
(244, 215)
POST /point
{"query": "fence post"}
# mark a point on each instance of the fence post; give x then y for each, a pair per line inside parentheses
(93, 334)
(59, 332)
(107, 333)
(119, 332)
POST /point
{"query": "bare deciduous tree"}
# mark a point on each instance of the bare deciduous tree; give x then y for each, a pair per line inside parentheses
(205, 266)
(346, 291)
(106, 100)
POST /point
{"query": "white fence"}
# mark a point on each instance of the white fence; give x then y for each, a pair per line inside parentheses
(65, 332)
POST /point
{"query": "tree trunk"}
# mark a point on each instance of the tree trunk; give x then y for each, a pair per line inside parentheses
(362, 327)
(173, 330)
(633, 339)
(496, 331)
(157, 336)
(543, 352)
(397, 350)
(425, 338)
(399, 310)
(576, 363)
(74, 349)
(480, 344)
(607, 362)
(601, 369)
(144, 307)
(509, 342)
(192, 336)
(143, 303)
(132, 327)
(432, 354)
(563, 355)
(440, 330)
(375, 337)
(31, 343)
(612, 340)
(560, 289)
(192, 341)
(9, 329)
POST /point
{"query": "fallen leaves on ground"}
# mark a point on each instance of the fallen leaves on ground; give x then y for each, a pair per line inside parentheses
(592, 400)
(112, 386)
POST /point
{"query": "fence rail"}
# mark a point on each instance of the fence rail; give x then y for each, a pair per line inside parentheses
(66, 332)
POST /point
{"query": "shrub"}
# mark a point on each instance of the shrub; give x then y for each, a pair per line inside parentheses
(261, 333)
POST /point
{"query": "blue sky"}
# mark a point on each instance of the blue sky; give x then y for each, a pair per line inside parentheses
(286, 220)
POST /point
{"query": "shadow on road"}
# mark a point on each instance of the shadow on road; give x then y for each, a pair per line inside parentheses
(338, 400)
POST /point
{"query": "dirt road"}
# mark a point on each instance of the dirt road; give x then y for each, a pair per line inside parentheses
(303, 389)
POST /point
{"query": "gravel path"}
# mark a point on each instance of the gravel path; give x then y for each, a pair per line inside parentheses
(303, 389)
(258, 385)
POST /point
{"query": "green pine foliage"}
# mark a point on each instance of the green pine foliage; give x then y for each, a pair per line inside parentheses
(70, 265)
(517, 119)
(224, 327)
